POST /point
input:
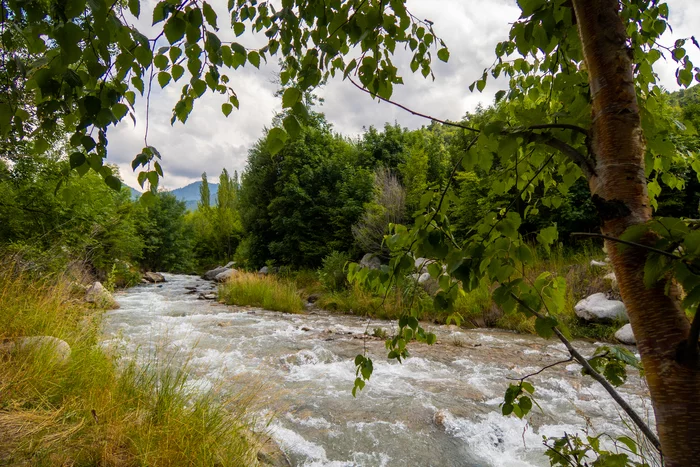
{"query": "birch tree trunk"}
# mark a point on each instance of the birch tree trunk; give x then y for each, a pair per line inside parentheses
(619, 189)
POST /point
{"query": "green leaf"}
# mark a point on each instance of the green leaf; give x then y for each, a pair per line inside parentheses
(226, 108)
(290, 97)
(254, 59)
(238, 28)
(163, 78)
(177, 72)
(291, 124)
(161, 62)
(209, 15)
(113, 182)
(76, 159)
(443, 54)
(175, 29)
(135, 7)
(544, 326)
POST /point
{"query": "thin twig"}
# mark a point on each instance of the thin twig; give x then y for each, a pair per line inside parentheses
(598, 377)
(562, 126)
(541, 370)
(413, 112)
(625, 242)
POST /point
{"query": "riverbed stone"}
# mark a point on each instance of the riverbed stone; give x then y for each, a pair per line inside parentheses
(212, 273)
(154, 277)
(610, 280)
(208, 296)
(59, 349)
(370, 261)
(598, 264)
(625, 335)
(264, 270)
(100, 296)
(226, 275)
(599, 308)
(429, 284)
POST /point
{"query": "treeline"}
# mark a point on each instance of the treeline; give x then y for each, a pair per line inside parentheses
(323, 193)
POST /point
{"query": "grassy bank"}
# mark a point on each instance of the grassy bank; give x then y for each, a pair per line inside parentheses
(89, 411)
(269, 292)
(476, 307)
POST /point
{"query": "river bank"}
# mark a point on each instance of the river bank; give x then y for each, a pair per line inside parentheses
(438, 408)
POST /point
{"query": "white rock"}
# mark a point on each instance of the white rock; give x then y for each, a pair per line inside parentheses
(264, 270)
(625, 335)
(59, 348)
(100, 296)
(598, 264)
(598, 307)
(230, 264)
(226, 275)
(429, 284)
(421, 264)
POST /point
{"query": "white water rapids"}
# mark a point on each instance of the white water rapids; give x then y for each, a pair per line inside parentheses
(438, 408)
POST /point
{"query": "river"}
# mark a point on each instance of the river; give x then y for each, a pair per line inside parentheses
(438, 408)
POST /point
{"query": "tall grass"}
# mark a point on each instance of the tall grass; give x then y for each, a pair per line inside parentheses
(265, 291)
(89, 410)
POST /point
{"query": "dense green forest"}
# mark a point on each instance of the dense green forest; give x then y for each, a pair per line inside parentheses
(323, 193)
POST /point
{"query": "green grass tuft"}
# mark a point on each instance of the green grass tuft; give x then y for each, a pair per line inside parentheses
(268, 292)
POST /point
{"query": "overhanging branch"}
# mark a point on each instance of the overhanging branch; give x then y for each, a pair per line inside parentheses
(600, 378)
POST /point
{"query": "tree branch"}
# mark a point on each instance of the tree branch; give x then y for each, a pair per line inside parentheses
(600, 378)
(625, 242)
(694, 335)
(561, 126)
(541, 370)
(582, 161)
(413, 112)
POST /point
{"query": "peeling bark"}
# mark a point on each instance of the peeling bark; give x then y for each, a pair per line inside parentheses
(658, 321)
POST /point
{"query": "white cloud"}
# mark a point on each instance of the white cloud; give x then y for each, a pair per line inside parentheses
(209, 141)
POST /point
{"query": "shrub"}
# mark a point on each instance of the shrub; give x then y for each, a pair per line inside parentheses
(268, 291)
(332, 273)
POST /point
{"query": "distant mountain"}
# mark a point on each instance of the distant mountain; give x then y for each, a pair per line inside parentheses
(190, 194)
(135, 194)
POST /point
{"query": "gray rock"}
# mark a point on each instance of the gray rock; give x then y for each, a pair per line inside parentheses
(226, 275)
(60, 350)
(100, 296)
(230, 264)
(154, 277)
(422, 264)
(625, 335)
(598, 264)
(429, 284)
(264, 270)
(370, 261)
(212, 273)
(611, 281)
(313, 298)
(208, 296)
(599, 308)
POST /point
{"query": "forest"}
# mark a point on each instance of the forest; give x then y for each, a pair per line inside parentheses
(565, 209)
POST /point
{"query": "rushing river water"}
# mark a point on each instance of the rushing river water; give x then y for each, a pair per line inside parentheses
(438, 408)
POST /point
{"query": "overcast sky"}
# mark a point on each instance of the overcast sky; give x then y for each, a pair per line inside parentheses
(209, 141)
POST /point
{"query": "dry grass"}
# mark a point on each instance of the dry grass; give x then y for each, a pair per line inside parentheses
(90, 411)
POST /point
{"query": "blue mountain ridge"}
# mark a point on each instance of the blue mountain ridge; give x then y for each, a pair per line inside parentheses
(189, 194)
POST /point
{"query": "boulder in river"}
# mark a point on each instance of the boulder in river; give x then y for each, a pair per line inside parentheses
(208, 296)
(226, 275)
(599, 308)
(154, 277)
(370, 261)
(58, 348)
(625, 335)
(212, 273)
(101, 297)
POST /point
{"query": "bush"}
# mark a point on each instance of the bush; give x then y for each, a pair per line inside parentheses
(332, 273)
(269, 292)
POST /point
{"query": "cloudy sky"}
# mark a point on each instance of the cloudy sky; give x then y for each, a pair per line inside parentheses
(209, 141)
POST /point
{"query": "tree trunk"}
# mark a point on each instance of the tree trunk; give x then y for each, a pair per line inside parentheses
(620, 193)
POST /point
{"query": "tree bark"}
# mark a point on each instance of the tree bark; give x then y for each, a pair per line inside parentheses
(619, 189)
